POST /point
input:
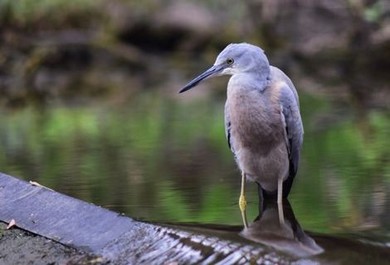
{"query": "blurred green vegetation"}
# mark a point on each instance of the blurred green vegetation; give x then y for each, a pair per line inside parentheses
(53, 13)
(106, 48)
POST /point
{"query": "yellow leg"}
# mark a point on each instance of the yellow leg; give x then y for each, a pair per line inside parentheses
(280, 201)
(242, 200)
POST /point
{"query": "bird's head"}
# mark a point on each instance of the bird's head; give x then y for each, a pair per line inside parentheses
(236, 58)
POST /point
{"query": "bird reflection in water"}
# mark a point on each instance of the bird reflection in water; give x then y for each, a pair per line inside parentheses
(286, 235)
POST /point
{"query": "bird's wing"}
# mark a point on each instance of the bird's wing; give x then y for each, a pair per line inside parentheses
(229, 136)
(293, 126)
(279, 75)
(227, 129)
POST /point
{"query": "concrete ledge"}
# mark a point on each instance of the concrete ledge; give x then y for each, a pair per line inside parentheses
(116, 238)
(57, 216)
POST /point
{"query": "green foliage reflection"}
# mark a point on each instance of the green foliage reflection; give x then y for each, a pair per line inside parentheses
(160, 160)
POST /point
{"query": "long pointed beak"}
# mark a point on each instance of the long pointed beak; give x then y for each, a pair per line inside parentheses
(212, 71)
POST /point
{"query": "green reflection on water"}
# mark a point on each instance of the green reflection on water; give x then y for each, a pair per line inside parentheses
(163, 160)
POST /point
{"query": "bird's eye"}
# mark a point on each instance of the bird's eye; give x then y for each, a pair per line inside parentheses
(229, 61)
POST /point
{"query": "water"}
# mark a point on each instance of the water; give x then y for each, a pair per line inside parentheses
(165, 159)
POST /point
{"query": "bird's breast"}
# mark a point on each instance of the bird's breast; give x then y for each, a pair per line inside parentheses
(255, 118)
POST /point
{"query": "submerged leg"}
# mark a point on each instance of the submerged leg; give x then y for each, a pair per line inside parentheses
(242, 200)
(280, 201)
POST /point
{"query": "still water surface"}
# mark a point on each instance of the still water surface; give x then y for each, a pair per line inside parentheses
(165, 159)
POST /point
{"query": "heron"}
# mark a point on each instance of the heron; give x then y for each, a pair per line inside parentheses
(263, 125)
